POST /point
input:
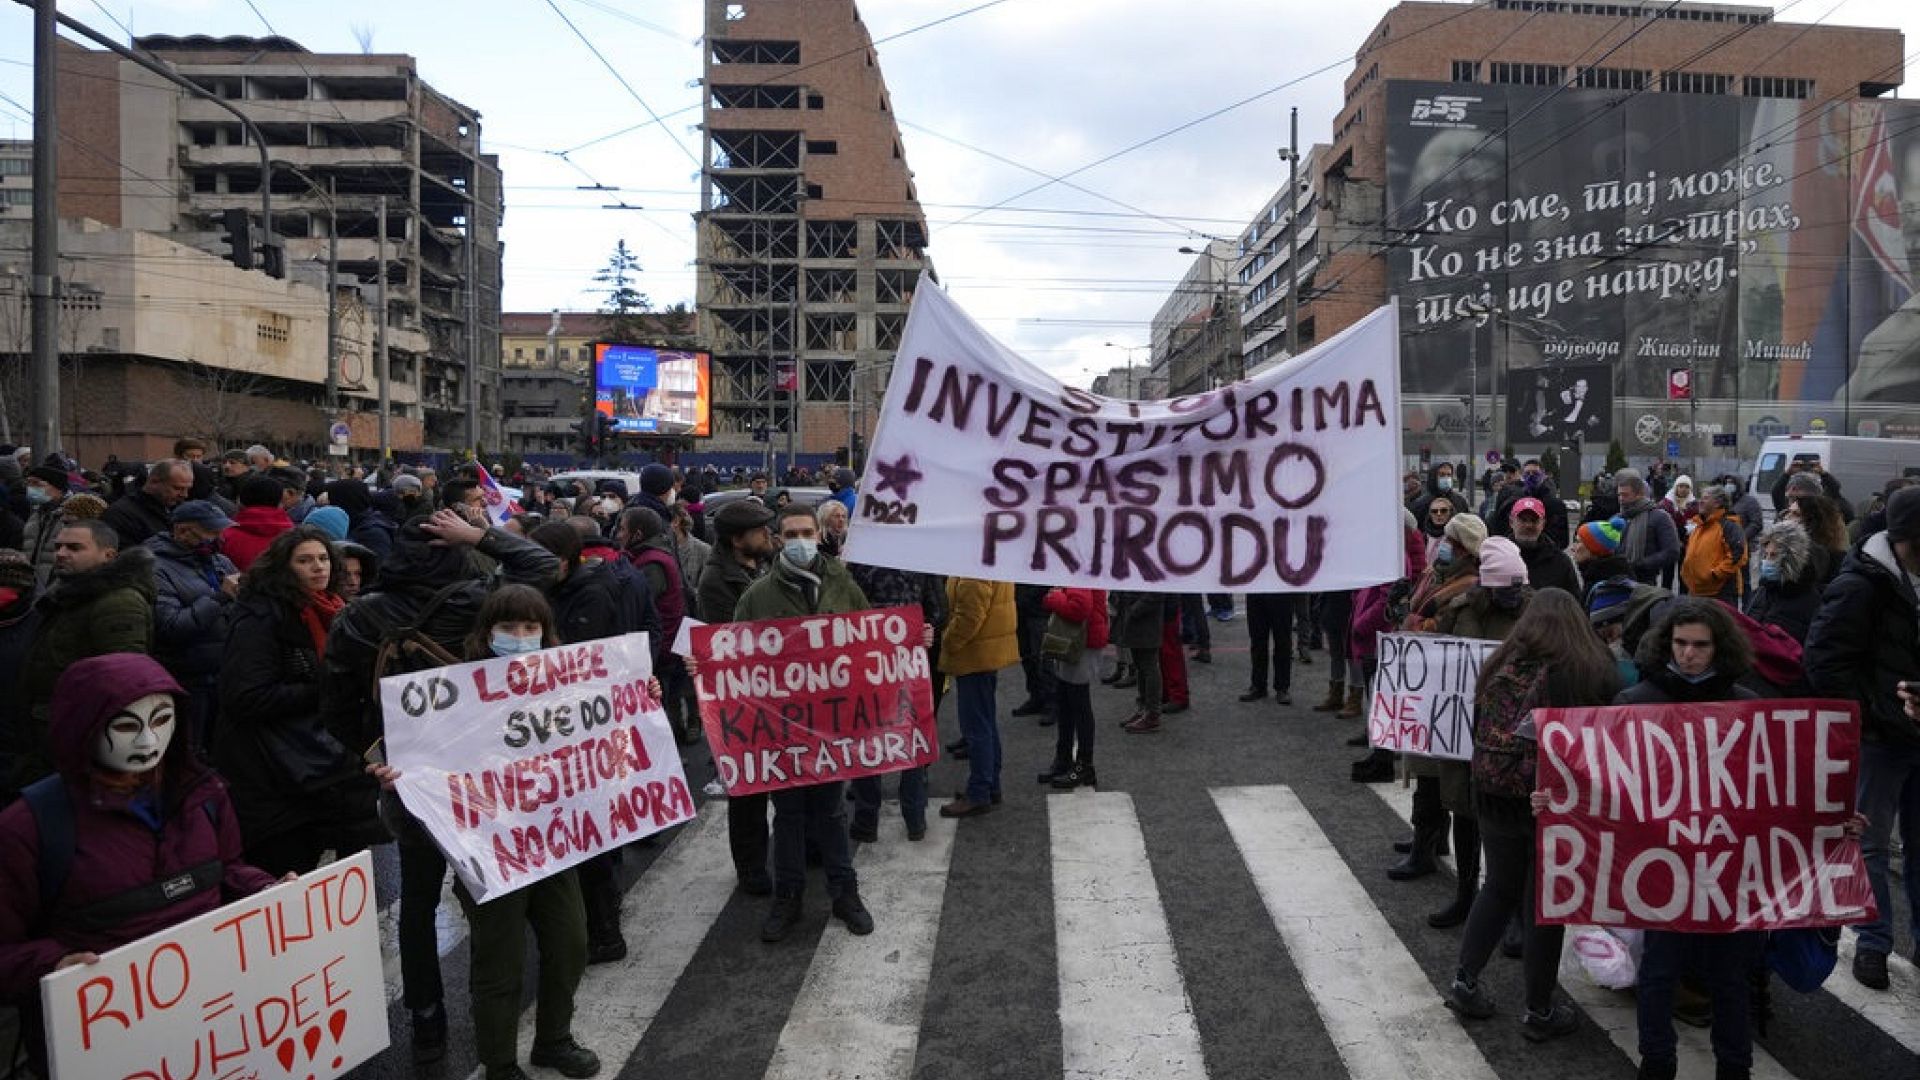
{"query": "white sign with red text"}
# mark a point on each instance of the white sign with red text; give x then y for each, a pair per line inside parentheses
(284, 985)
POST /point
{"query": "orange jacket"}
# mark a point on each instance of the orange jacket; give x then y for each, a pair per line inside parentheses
(1715, 553)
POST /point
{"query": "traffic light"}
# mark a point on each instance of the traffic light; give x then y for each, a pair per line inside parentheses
(273, 258)
(240, 238)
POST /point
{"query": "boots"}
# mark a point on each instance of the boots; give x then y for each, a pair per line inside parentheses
(1375, 768)
(1466, 862)
(1356, 705)
(1336, 697)
(1429, 825)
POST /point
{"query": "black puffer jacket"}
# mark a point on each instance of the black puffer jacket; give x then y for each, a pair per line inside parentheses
(586, 605)
(1791, 601)
(1866, 640)
(409, 582)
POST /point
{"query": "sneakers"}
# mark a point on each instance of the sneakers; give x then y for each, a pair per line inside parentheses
(960, 808)
(569, 1059)
(848, 909)
(1283, 697)
(1130, 679)
(1029, 707)
(1202, 655)
(1469, 999)
(429, 1035)
(1076, 777)
(1558, 1020)
(1870, 969)
(1144, 724)
(917, 833)
(714, 789)
(1253, 694)
(1055, 772)
(781, 919)
(962, 793)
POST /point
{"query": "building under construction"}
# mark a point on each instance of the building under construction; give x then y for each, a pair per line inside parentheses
(347, 134)
(811, 236)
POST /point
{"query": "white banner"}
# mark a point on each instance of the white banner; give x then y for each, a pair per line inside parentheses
(985, 466)
(1422, 695)
(523, 766)
(286, 983)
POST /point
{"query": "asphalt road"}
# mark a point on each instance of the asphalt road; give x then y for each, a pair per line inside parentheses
(1218, 909)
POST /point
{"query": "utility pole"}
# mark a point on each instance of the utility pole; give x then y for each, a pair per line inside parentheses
(45, 282)
(799, 317)
(1293, 232)
(473, 310)
(380, 339)
(333, 301)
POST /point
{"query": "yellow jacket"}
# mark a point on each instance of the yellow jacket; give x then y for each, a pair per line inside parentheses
(1715, 553)
(983, 631)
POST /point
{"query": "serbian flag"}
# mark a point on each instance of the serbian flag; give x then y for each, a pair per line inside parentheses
(500, 509)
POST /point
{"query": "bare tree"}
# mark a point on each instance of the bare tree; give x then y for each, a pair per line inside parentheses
(363, 33)
(218, 408)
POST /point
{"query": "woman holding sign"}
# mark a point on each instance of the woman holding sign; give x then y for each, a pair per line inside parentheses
(1551, 659)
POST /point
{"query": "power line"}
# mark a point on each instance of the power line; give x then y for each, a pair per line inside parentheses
(622, 80)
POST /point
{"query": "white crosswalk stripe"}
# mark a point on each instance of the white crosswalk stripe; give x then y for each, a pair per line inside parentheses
(1613, 1011)
(1363, 981)
(857, 1016)
(1895, 1010)
(1124, 1010)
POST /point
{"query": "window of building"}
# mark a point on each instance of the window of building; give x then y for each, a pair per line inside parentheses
(519, 353)
(756, 96)
(829, 380)
(540, 356)
(736, 12)
(16, 166)
(16, 196)
(1466, 71)
(1694, 82)
(566, 355)
(1776, 86)
(756, 52)
(815, 191)
(816, 101)
(822, 146)
(1520, 74)
(1602, 78)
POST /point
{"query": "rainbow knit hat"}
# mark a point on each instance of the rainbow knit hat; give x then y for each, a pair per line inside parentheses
(1602, 538)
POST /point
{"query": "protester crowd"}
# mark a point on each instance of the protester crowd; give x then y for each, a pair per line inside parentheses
(194, 649)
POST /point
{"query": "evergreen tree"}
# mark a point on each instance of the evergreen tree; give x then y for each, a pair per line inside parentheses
(625, 306)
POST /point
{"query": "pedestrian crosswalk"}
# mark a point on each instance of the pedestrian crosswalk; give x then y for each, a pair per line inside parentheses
(1124, 955)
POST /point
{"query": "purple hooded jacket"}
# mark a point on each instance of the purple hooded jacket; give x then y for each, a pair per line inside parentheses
(115, 849)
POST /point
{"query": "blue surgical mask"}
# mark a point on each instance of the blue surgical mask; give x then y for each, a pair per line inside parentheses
(38, 496)
(509, 644)
(1769, 570)
(801, 553)
(1445, 483)
(1444, 552)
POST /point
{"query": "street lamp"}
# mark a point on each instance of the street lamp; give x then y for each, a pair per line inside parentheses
(1129, 350)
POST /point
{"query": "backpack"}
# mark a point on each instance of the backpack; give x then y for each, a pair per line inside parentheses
(1503, 758)
(408, 648)
(52, 813)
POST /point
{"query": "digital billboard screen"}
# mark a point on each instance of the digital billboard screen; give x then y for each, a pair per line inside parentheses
(651, 391)
(1770, 246)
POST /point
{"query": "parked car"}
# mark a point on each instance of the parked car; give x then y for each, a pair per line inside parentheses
(629, 481)
(805, 496)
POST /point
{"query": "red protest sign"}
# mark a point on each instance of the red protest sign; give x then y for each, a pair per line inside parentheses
(1705, 818)
(814, 699)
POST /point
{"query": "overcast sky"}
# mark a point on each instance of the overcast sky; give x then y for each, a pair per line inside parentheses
(1047, 85)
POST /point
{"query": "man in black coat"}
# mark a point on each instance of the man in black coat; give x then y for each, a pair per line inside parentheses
(1548, 566)
(1864, 646)
(140, 514)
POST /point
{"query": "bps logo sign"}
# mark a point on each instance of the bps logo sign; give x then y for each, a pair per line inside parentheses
(1443, 110)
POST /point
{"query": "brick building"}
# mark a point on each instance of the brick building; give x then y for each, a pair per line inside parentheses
(1552, 92)
(810, 235)
(343, 131)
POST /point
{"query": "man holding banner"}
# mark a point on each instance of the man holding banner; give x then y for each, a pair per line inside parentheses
(805, 582)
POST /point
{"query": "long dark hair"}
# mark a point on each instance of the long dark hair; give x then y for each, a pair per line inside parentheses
(510, 603)
(1732, 649)
(271, 575)
(1821, 517)
(1555, 632)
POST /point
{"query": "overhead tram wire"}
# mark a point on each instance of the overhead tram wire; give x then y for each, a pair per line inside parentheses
(622, 80)
(790, 72)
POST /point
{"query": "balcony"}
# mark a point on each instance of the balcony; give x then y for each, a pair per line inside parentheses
(296, 111)
(309, 157)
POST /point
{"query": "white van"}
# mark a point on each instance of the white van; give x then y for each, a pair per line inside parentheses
(1861, 465)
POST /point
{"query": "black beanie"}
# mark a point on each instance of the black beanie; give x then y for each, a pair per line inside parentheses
(1903, 514)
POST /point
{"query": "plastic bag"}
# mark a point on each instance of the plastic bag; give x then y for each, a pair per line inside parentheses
(1611, 957)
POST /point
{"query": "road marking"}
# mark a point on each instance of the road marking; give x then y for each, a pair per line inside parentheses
(1362, 979)
(1124, 1010)
(665, 917)
(1612, 1011)
(858, 1012)
(1895, 1010)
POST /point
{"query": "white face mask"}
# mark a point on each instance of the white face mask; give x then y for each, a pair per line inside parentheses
(135, 739)
(801, 553)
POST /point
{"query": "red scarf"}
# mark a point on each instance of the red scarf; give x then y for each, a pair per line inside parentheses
(317, 613)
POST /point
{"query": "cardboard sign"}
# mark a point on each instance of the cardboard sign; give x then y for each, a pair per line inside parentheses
(1705, 818)
(811, 700)
(1422, 694)
(523, 766)
(985, 466)
(284, 985)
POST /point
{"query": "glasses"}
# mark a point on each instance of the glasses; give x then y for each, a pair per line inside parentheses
(1437, 512)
